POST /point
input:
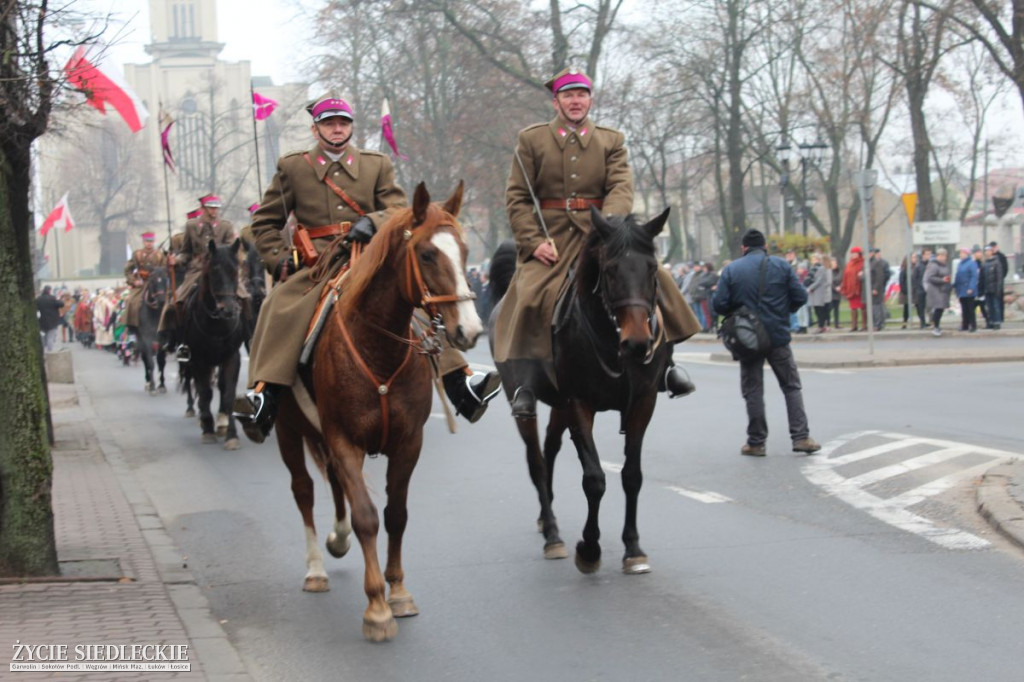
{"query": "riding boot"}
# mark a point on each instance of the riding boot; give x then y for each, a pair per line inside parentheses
(256, 411)
(676, 381)
(524, 404)
(470, 392)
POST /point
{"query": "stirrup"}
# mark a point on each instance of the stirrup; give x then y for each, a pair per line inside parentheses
(183, 353)
(675, 385)
(524, 404)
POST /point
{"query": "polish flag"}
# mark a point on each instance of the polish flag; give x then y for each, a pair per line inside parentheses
(262, 107)
(61, 215)
(103, 83)
(166, 121)
(387, 131)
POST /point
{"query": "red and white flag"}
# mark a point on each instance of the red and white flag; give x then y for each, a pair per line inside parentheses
(60, 215)
(387, 131)
(103, 83)
(165, 140)
(262, 107)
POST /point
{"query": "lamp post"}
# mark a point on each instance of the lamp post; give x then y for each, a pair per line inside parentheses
(810, 153)
(783, 152)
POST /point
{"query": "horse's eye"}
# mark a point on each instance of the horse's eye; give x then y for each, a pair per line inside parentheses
(428, 256)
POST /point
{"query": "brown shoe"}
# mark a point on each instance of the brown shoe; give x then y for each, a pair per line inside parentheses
(753, 450)
(808, 445)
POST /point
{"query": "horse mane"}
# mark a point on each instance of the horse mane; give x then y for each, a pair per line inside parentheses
(627, 236)
(386, 242)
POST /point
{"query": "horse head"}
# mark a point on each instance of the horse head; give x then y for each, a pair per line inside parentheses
(220, 280)
(423, 245)
(155, 290)
(626, 278)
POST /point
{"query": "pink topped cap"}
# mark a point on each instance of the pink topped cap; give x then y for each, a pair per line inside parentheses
(570, 79)
(327, 108)
(210, 201)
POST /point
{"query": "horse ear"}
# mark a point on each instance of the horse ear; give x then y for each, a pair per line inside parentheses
(603, 227)
(236, 246)
(654, 227)
(420, 202)
(212, 247)
(454, 203)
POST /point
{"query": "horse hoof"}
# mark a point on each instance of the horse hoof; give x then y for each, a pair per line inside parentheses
(338, 545)
(403, 607)
(556, 550)
(232, 444)
(315, 583)
(635, 565)
(585, 565)
(209, 438)
(190, 413)
(380, 632)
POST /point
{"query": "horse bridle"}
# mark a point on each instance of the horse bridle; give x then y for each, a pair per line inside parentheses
(601, 290)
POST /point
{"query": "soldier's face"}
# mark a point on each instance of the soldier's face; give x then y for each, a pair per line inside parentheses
(334, 131)
(147, 244)
(211, 212)
(573, 105)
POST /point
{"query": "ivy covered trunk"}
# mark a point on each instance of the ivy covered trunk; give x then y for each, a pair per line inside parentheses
(27, 545)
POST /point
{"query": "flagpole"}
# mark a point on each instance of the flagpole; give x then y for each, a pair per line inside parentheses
(56, 248)
(255, 141)
(167, 187)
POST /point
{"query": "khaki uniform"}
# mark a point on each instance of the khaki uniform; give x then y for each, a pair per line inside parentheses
(368, 178)
(191, 255)
(136, 272)
(590, 162)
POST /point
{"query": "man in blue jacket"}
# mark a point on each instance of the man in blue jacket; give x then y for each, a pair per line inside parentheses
(740, 284)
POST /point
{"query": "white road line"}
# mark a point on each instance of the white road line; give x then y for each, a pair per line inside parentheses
(882, 473)
(939, 485)
(705, 497)
(873, 451)
(611, 467)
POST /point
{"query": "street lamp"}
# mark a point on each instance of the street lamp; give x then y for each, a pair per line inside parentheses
(783, 152)
(810, 154)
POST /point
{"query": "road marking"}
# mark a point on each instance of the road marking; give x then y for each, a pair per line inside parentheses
(823, 472)
(706, 497)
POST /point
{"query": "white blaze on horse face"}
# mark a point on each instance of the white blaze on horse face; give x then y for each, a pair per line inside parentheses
(469, 320)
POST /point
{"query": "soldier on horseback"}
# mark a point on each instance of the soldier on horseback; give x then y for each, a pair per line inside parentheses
(334, 190)
(560, 169)
(136, 272)
(192, 255)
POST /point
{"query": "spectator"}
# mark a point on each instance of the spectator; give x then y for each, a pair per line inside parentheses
(851, 288)
(992, 275)
(880, 272)
(739, 284)
(48, 308)
(904, 297)
(837, 296)
(819, 289)
(967, 290)
(937, 286)
(917, 279)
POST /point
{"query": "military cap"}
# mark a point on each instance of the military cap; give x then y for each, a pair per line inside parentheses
(148, 236)
(568, 79)
(210, 201)
(328, 106)
(253, 208)
(194, 214)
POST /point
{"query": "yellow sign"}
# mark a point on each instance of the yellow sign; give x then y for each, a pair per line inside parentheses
(910, 204)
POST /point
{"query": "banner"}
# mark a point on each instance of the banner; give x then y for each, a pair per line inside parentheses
(102, 83)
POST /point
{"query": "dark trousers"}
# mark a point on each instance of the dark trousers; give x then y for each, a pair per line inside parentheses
(937, 317)
(834, 307)
(821, 312)
(783, 364)
(968, 321)
(994, 306)
(919, 304)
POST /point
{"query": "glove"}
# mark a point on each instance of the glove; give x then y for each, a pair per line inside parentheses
(284, 268)
(362, 231)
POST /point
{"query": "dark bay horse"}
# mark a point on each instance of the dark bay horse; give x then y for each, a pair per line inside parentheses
(255, 279)
(372, 386)
(154, 296)
(606, 357)
(214, 327)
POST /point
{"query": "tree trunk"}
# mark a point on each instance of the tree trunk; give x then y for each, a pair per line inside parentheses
(27, 543)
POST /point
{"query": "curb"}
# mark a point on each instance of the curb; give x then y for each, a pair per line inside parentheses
(997, 504)
(216, 652)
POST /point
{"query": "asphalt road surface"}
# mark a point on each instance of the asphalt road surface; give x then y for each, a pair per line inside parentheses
(865, 562)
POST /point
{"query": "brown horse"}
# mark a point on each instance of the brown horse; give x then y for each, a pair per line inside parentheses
(372, 386)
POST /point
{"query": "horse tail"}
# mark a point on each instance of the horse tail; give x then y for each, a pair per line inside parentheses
(503, 266)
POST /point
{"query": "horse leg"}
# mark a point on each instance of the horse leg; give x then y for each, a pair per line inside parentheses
(339, 540)
(161, 362)
(401, 463)
(201, 377)
(289, 443)
(552, 444)
(185, 377)
(378, 622)
(226, 383)
(634, 561)
(554, 548)
(581, 428)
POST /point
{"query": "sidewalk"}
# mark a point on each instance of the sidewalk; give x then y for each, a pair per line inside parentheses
(123, 581)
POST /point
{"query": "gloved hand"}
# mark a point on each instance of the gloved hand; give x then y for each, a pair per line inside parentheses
(283, 269)
(361, 231)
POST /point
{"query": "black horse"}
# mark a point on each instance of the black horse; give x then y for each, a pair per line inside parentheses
(214, 327)
(154, 296)
(607, 356)
(255, 280)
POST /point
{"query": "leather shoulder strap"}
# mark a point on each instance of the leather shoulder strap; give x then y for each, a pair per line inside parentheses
(337, 190)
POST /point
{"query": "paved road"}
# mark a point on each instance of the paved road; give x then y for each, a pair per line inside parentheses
(783, 568)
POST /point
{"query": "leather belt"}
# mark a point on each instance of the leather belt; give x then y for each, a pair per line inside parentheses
(328, 230)
(571, 203)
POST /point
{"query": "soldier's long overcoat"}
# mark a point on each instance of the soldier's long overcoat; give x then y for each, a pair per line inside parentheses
(590, 162)
(136, 272)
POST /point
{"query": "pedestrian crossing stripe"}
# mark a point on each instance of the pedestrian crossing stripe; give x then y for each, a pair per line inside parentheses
(822, 471)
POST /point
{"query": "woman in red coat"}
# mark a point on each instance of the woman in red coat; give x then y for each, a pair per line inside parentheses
(852, 277)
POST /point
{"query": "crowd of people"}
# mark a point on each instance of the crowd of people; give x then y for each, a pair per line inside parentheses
(91, 318)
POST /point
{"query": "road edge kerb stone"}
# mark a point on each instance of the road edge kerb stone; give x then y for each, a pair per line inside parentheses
(907, 361)
(218, 655)
(995, 503)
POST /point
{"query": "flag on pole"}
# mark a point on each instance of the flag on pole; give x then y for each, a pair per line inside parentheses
(262, 107)
(60, 215)
(166, 121)
(103, 83)
(387, 131)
